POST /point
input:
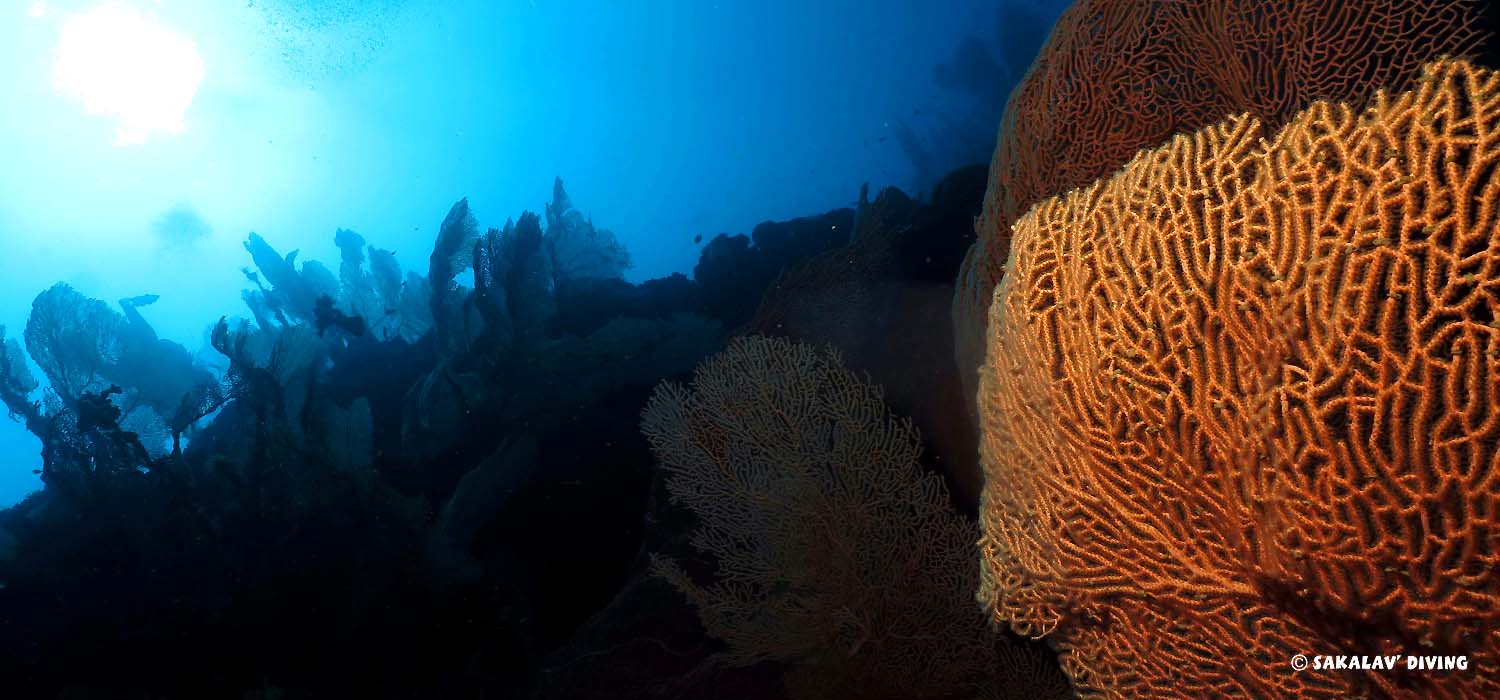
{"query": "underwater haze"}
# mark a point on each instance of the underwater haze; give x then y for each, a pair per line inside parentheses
(145, 139)
(528, 349)
(710, 350)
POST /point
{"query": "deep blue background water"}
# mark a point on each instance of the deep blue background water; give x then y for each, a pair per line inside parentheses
(666, 118)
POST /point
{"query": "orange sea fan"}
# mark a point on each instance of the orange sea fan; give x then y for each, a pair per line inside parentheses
(1242, 402)
(1117, 76)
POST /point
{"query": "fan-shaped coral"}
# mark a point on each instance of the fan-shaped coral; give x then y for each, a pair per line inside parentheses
(1241, 403)
(835, 551)
(1117, 76)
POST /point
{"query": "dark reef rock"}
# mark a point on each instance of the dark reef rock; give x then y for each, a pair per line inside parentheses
(645, 643)
(735, 270)
(402, 487)
(729, 268)
(883, 301)
(586, 304)
(942, 229)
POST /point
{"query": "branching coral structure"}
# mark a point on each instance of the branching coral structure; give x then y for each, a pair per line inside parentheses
(836, 552)
(1117, 76)
(1240, 403)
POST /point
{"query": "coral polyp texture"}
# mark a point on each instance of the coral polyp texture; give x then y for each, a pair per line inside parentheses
(836, 552)
(1117, 76)
(1242, 402)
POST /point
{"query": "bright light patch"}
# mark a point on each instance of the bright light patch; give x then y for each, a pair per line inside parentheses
(38, 9)
(119, 63)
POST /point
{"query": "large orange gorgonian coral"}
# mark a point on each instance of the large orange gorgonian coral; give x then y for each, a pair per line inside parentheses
(1242, 402)
(1117, 76)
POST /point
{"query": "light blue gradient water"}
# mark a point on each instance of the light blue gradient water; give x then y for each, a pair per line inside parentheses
(666, 118)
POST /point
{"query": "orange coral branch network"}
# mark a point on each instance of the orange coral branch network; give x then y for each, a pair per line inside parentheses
(1117, 76)
(1242, 401)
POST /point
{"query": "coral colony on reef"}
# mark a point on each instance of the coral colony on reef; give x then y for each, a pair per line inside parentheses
(1200, 378)
(1290, 339)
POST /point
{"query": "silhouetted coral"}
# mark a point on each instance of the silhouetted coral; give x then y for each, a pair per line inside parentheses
(579, 250)
(391, 513)
(293, 291)
(16, 385)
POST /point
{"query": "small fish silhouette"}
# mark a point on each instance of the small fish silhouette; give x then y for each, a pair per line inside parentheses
(698, 238)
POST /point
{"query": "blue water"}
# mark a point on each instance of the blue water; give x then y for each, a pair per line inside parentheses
(667, 119)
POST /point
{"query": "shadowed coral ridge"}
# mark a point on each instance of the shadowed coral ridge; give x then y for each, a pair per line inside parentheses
(378, 483)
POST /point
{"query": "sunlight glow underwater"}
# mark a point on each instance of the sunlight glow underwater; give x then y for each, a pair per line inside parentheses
(122, 64)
